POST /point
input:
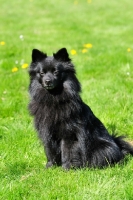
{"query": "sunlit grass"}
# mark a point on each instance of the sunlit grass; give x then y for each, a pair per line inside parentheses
(98, 36)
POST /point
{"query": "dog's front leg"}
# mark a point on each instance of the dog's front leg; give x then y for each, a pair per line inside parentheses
(65, 154)
(49, 155)
(52, 151)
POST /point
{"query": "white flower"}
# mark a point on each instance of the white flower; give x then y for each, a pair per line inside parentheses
(21, 37)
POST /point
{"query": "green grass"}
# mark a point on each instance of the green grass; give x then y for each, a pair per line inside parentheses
(106, 74)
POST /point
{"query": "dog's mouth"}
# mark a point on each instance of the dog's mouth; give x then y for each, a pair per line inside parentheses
(49, 87)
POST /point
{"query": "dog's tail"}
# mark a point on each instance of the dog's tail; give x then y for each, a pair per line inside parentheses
(125, 147)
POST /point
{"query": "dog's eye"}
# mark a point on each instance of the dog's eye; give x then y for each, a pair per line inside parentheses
(41, 73)
(55, 73)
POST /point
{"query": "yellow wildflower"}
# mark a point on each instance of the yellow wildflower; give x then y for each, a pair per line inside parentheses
(84, 50)
(14, 69)
(88, 45)
(89, 1)
(73, 52)
(2, 43)
(24, 66)
(128, 49)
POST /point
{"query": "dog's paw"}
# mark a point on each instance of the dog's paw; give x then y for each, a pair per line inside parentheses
(49, 164)
(66, 166)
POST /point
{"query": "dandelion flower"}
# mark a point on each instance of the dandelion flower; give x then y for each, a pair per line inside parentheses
(73, 52)
(24, 66)
(89, 46)
(128, 49)
(84, 50)
(14, 69)
(2, 43)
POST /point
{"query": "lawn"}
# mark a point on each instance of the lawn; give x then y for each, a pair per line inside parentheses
(105, 69)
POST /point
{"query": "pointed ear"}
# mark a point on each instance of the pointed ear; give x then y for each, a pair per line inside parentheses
(38, 55)
(62, 55)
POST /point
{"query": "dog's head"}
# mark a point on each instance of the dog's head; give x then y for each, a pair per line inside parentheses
(50, 71)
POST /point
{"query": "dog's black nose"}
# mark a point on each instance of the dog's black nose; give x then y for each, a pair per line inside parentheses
(48, 82)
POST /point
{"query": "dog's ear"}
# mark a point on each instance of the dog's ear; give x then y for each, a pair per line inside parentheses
(38, 55)
(62, 55)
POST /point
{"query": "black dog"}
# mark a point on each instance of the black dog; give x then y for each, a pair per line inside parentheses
(72, 135)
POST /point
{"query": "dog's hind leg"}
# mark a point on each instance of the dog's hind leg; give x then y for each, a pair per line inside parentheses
(104, 152)
(71, 154)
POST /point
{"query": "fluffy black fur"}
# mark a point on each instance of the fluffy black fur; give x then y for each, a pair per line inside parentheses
(72, 135)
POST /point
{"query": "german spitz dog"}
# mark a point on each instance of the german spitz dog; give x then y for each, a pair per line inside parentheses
(73, 137)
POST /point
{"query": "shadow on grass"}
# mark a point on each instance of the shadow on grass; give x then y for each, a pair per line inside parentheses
(17, 169)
